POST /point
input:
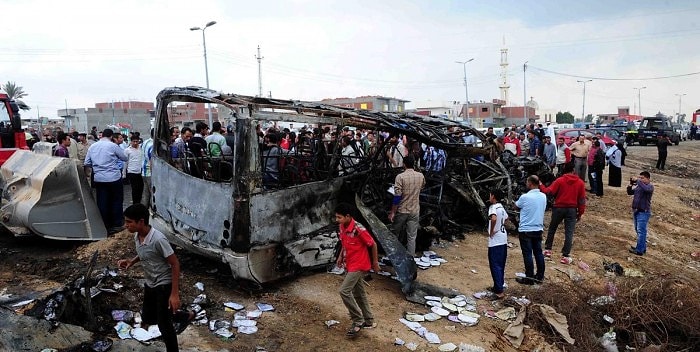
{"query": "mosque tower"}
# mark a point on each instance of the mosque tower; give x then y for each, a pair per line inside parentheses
(504, 73)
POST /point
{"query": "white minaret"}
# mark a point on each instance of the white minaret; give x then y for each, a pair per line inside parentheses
(504, 73)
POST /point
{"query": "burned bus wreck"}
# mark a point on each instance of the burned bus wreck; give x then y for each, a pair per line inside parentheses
(267, 211)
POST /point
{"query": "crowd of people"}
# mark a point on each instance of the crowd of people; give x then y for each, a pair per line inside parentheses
(110, 162)
(585, 157)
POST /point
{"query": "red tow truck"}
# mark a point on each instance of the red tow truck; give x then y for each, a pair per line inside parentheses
(12, 136)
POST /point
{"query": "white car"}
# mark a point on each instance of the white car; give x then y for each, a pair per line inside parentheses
(682, 129)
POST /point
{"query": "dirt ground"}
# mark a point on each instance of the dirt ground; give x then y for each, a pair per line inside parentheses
(304, 303)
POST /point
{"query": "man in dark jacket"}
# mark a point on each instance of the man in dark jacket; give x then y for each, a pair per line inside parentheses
(662, 145)
(534, 143)
(569, 193)
(598, 167)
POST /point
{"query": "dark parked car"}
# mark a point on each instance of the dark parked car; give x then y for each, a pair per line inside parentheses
(651, 127)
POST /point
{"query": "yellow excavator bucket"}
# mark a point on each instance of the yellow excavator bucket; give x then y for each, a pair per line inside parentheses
(50, 197)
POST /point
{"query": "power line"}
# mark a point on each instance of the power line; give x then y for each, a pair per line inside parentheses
(615, 79)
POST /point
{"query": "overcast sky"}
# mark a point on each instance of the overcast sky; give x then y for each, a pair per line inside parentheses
(95, 51)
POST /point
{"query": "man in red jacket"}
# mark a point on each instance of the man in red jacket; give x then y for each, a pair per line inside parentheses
(569, 193)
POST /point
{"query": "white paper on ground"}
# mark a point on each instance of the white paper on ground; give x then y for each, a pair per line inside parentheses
(145, 335)
(244, 322)
(123, 329)
(247, 330)
(234, 305)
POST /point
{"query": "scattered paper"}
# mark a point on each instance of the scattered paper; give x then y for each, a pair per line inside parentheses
(145, 335)
(123, 330)
(247, 330)
(234, 305)
(448, 347)
(264, 307)
(224, 332)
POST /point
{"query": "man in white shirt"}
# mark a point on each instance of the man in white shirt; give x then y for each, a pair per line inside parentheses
(397, 151)
(498, 241)
(134, 167)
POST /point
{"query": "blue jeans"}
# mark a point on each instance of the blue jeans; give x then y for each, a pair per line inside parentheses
(497, 264)
(641, 219)
(531, 244)
(110, 202)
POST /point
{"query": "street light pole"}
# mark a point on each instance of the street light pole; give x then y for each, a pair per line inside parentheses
(583, 111)
(206, 66)
(639, 99)
(680, 97)
(466, 89)
(525, 93)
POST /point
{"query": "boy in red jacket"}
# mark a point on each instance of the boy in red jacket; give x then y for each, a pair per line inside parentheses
(569, 193)
(359, 255)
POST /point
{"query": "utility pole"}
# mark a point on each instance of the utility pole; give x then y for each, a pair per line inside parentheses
(259, 58)
(583, 111)
(466, 88)
(525, 92)
(66, 115)
(639, 99)
(680, 97)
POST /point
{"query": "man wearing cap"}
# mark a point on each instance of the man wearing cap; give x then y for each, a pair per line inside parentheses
(103, 158)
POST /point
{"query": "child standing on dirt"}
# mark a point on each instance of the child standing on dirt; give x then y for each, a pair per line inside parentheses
(359, 255)
(161, 296)
(498, 241)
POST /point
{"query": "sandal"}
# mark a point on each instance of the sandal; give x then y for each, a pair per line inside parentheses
(354, 330)
(367, 325)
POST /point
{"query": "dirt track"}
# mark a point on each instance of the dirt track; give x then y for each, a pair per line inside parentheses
(304, 303)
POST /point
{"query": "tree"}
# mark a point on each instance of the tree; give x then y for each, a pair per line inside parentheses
(565, 117)
(16, 93)
(589, 118)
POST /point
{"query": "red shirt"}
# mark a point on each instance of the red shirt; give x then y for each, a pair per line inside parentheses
(356, 241)
(569, 191)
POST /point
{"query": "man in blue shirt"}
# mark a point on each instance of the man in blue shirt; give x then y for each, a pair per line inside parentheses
(532, 205)
(535, 143)
(147, 149)
(104, 158)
